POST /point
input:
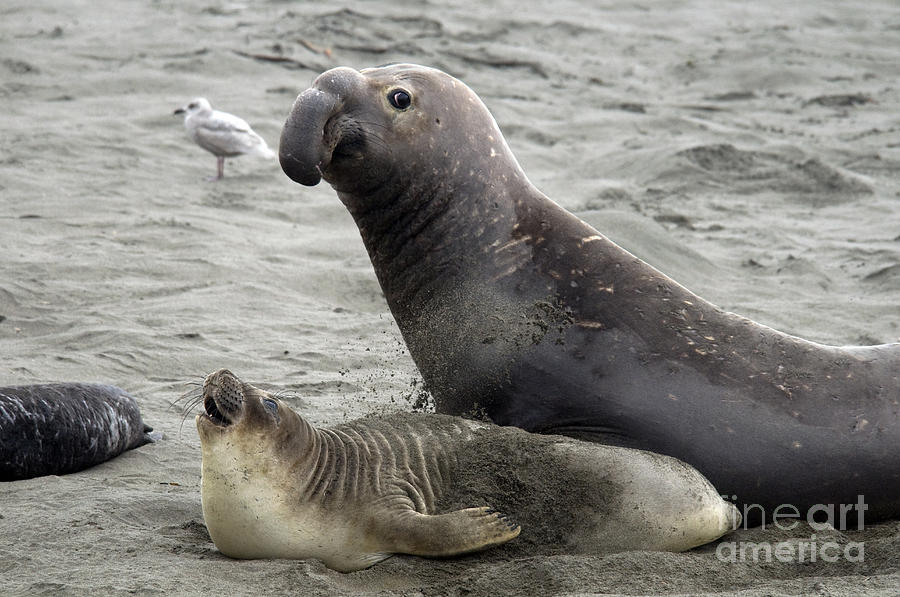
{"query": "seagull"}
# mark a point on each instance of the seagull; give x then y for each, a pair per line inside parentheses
(222, 134)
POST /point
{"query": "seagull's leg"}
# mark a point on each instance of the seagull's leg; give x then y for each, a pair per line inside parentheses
(220, 170)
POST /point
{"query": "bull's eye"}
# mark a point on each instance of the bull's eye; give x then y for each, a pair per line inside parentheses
(399, 99)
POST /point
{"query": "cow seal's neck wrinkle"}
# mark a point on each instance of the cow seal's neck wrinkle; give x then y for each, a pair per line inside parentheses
(340, 462)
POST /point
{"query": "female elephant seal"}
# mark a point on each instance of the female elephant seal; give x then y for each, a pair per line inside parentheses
(59, 428)
(273, 486)
(512, 306)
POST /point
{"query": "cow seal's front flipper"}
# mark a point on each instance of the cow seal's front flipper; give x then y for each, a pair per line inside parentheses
(441, 535)
(59, 428)
(273, 486)
(514, 307)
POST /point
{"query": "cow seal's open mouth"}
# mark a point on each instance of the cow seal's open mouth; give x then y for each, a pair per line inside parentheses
(213, 413)
(223, 398)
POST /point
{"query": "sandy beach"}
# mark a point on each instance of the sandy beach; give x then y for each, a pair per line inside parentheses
(749, 151)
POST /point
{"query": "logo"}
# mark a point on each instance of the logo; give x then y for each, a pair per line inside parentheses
(787, 517)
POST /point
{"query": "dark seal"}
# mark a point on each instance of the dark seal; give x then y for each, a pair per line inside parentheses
(512, 306)
(54, 429)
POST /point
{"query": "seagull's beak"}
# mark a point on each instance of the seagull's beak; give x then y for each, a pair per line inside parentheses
(179, 111)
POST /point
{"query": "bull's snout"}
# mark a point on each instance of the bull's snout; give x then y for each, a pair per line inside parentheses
(305, 148)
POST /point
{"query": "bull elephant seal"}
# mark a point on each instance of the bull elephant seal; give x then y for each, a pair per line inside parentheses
(273, 486)
(512, 306)
(54, 429)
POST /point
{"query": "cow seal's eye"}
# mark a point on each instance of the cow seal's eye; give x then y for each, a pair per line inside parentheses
(270, 405)
(399, 99)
